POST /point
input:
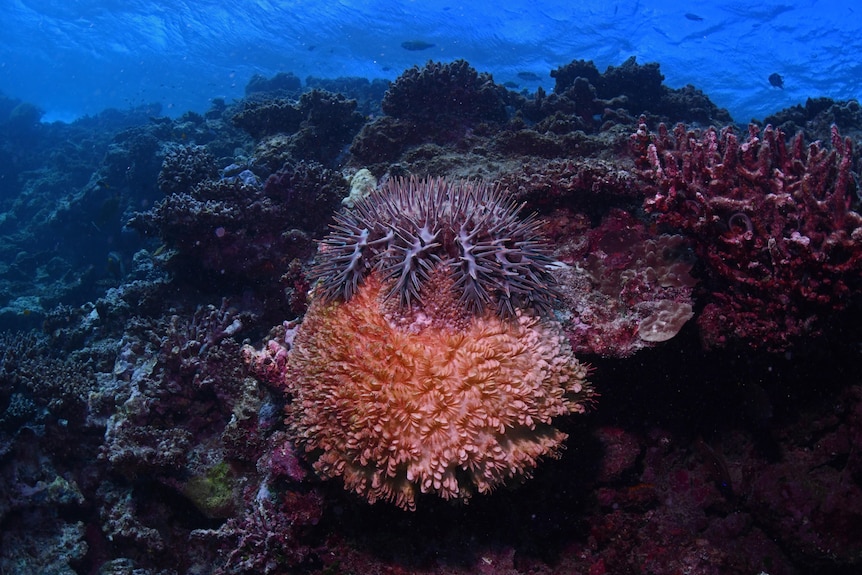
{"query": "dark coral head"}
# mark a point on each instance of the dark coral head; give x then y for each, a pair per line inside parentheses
(405, 230)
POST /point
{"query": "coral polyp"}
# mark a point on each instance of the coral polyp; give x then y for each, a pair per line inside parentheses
(498, 260)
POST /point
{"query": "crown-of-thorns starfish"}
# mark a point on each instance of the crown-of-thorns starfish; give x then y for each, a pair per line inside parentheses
(412, 226)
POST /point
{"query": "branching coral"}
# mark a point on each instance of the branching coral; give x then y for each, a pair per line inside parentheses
(771, 222)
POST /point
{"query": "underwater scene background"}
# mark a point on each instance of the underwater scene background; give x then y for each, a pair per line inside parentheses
(402, 287)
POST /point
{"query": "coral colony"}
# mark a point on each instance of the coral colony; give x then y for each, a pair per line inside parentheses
(772, 224)
(424, 363)
(443, 259)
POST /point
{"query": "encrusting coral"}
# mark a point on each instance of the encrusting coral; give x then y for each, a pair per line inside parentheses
(451, 387)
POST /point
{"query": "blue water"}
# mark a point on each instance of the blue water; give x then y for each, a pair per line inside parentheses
(77, 57)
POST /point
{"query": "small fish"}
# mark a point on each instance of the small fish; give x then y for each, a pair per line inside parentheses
(510, 85)
(529, 76)
(694, 17)
(416, 45)
(776, 80)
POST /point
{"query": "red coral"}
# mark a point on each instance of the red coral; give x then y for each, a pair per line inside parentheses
(771, 222)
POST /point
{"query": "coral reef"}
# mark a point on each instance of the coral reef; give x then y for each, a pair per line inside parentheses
(445, 94)
(241, 229)
(817, 116)
(43, 409)
(811, 482)
(771, 222)
(383, 140)
(310, 193)
(178, 380)
(436, 103)
(267, 116)
(271, 537)
(133, 439)
(585, 182)
(185, 167)
(595, 101)
(367, 93)
(280, 82)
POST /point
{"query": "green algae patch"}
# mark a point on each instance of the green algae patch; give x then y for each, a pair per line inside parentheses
(214, 492)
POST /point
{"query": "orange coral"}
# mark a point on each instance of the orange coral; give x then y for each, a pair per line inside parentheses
(396, 401)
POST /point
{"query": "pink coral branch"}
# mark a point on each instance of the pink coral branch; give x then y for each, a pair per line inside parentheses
(771, 221)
